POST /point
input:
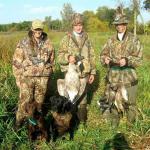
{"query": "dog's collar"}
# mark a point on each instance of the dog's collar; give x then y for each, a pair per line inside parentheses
(32, 121)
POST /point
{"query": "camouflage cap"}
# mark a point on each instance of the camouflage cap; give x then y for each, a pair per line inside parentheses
(37, 24)
(120, 17)
(120, 20)
(77, 19)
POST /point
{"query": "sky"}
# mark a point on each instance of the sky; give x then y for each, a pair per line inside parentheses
(28, 10)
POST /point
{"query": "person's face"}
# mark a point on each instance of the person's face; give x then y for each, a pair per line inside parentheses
(121, 28)
(78, 28)
(37, 33)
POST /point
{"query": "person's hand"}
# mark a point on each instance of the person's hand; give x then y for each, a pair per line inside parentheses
(91, 79)
(71, 59)
(122, 62)
(107, 60)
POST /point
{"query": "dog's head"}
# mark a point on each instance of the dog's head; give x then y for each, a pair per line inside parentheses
(60, 104)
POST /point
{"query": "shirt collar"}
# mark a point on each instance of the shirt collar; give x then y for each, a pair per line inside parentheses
(121, 36)
(77, 34)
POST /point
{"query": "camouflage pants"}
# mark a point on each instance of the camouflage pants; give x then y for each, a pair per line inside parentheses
(32, 89)
(114, 116)
(82, 106)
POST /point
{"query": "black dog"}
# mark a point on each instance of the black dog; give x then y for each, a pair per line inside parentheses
(64, 117)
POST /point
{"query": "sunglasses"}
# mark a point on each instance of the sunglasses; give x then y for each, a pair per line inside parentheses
(37, 32)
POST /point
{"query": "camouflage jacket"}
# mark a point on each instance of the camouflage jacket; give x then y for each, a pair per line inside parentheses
(82, 48)
(33, 61)
(130, 49)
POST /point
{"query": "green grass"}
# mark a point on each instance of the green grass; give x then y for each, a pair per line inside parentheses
(98, 135)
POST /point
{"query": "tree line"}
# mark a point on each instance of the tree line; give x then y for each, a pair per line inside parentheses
(101, 20)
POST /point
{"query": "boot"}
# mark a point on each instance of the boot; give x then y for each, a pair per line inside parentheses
(114, 118)
(18, 125)
(82, 114)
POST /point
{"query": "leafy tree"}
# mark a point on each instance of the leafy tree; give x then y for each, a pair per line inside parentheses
(147, 28)
(22, 26)
(86, 16)
(147, 4)
(47, 23)
(105, 14)
(25, 25)
(136, 12)
(56, 25)
(66, 14)
(95, 25)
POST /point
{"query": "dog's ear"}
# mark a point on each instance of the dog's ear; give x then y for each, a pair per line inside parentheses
(59, 105)
(54, 103)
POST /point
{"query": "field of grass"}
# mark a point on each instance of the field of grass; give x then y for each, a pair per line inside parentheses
(98, 135)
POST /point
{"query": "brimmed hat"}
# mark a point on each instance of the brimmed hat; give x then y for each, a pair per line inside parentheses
(77, 19)
(37, 24)
(120, 17)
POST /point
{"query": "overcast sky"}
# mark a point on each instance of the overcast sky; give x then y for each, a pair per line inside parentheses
(21, 10)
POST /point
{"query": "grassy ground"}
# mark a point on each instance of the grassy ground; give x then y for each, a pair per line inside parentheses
(98, 135)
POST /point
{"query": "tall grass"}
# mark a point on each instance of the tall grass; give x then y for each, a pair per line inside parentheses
(98, 135)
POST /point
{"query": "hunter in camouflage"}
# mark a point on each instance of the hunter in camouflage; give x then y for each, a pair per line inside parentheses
(32, 66)
(75, 47)
(121, 55)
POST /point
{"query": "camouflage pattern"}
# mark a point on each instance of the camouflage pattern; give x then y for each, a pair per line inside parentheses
(31, 89)
(77, 19)
(120, 17)
(37, 24)
(36, 61)
(80, 47)
(130, 49)
(32, 67)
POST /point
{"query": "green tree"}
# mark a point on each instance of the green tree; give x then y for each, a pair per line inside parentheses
(86, 16)
(147, 4)
(23, 26)
(47, 23)
(94, 25)
(105, 14)
(56, 25)
(66, 14)
(136, 11)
